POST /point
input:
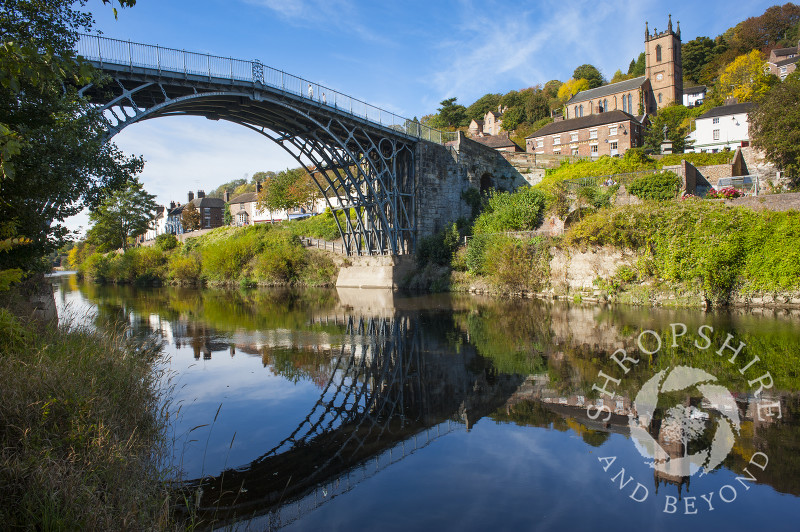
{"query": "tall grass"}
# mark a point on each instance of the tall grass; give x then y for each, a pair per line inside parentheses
(81, 430)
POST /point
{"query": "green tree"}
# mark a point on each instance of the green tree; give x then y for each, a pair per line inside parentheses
(775, 126)
(125, 214)
(451, 114)
(639, 67)
(484, 104)
(550, 88)
(590, 74)
(675, 117)
(227, 217)
(695, 55)
(537, 106)
(513, 118)
(190, 218)
(289, 189)
(52, 160)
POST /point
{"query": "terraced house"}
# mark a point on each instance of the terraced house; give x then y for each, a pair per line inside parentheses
(610, 133)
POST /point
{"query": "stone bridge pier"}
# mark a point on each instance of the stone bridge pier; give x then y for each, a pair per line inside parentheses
(443, 174)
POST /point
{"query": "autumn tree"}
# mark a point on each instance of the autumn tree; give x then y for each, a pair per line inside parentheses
(125, 214)
(744, 78)
(775, 126)
(571, 88)
(190, 218)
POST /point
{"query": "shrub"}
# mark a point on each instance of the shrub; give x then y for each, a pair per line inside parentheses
(166, 242)
(723, 193)
(439, 248)
(662, 186)
(511, 211)
(97, 267)
(185, 268)
(282, 258)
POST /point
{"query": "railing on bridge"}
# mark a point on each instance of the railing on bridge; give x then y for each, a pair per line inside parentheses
(135, 55)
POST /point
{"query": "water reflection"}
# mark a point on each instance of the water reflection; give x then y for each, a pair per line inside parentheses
(354, 384)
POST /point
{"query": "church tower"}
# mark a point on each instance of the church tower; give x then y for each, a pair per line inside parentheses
(663, 65)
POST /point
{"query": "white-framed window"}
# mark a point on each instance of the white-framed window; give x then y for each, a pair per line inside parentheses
(715, 120)
(573, 137)
(592, 133)
(613, 145)
(540, 143)
(593, 148)
(556, 140)
(612, 130)
(557, 152)
(207, 217)
(783, 70)
(574, 151)
(716, 134)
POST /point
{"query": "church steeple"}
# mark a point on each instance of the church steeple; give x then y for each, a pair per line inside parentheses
(669, 26)
(646, 31)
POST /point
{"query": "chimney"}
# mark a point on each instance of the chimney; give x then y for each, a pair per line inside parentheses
(171, 205)
(258, 187)
(201, 194)
(731, 101)
(191, 195)
(226, 196)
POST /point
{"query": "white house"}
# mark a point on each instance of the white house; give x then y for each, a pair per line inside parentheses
(721, 128)
(693, 95)
(159, 224)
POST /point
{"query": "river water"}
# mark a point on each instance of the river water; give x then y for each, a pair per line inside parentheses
(367, 410)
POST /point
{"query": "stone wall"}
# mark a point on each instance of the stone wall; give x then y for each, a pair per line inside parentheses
(769, 202)
(577, 270)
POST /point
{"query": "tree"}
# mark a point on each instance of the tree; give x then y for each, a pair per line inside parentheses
(537, 106)
(571, 88)
(639, 67)
(696, 54)
(619, 76)
(512, 118)
(550, 88)
(450, 114)
(53, 162)
(289, 189)
(125, 214)
(765, 31)
(676, 119)
(484, 104)
(744, 78)
(227, 217)
(590, 74)
(190, 218)
(775, 126)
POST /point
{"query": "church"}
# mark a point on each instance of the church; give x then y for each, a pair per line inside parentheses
(661, 85)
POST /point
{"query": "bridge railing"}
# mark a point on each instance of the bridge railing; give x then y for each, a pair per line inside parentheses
(136, 55)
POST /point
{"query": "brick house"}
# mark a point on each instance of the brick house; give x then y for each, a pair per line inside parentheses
(500, 142)
(783, 61)
(491, 124)
(609, 133)
(210, 210)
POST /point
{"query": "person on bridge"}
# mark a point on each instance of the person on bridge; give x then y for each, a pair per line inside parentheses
(324, 101)
(310, 92)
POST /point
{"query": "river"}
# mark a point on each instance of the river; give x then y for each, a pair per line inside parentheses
(364, 410)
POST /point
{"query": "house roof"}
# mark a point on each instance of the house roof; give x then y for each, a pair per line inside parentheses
(780, 52)
(247, 197)
(479, 122)
(694, 90)
(209, 202)
(787, 61)
(608, 90)
(496, 114)
(598, 119)
(495, 141)
(727, 110)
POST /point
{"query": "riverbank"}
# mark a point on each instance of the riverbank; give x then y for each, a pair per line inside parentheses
(83, 428)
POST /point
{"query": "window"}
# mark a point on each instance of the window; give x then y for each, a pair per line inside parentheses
(659, 97)
(783, 70)
(540, 143)
(612, 130)
(593, 148)
(576, 112)
(658, 53)
(715, 120)
(574, 151)
(581, 109)
(557, 152)
(605, 105)
(613, 145)
(716, 134)
(592, 133)
(207, 217)
(556, 140)
(573, 137)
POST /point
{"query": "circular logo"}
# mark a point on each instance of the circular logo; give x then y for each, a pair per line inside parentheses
(683, 422)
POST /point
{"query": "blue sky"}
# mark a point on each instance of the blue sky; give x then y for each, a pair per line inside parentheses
(403, 56)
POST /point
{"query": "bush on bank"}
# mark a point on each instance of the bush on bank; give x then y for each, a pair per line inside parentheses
(259, 254)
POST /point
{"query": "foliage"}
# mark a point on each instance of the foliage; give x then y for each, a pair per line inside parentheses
(662, 186)
(481, 106)
(697, 159)
(775, 126)
(594, 196)
(53, 162)
(509, 262)
(723, 193)
(571, 88)
(709, 246)
(288, 189)
(511, 211)
(632, 161)
(190, 218)
(590, 74)
(637, 66)
(472, 197)
(322, 226)
(185, 268)
(438, 248)
(284, 259)
(450, 115)
(125, 214)
(675, 117)
(767, 30)
(166, 242)
(227, 217)
(696, 54)
(512, 118)
(744, 78)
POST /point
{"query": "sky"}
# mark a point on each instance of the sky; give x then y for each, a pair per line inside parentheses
(403, 56)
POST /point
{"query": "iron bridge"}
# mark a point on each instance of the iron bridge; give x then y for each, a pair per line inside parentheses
(361, 157)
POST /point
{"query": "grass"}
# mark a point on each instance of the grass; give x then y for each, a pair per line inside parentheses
(81, 430)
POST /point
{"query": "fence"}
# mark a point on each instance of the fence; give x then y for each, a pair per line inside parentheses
(324, 245)
(105, 50)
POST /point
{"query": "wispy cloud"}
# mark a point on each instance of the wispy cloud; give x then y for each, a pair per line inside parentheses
(336, 15)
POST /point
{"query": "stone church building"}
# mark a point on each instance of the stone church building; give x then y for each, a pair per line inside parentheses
(661, 85)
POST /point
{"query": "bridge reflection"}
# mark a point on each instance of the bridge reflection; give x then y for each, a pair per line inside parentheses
(392, 390)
